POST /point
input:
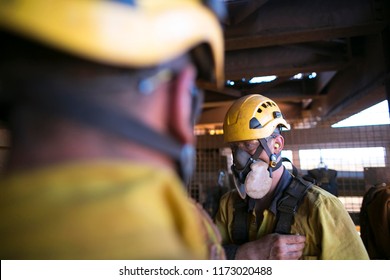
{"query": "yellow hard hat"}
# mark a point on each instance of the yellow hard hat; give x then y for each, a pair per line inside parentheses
(138, 33)
(252, 117)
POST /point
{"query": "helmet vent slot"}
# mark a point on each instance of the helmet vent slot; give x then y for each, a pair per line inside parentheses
(254, 124)
(277, 114)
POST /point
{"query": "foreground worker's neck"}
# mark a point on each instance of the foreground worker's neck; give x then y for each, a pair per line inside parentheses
(81, 144)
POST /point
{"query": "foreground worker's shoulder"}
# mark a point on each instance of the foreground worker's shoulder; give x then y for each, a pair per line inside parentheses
(210, 233)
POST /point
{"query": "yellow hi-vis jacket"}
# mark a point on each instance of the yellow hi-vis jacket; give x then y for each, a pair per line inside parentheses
(105, 210)
(321, 217)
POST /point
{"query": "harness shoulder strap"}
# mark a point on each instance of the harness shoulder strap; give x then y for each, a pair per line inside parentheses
(240, 219)
(289, 203)
(286, 208)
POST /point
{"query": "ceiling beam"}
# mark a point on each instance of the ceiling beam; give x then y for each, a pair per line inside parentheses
(354, 85)
(279, 61)
(287, 37)
(211, 87)
(244, 11)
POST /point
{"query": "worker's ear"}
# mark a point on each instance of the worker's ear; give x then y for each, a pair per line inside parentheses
(278, 144)
(181, 123)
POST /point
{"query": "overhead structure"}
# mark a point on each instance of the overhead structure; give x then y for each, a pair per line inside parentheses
(331, 58)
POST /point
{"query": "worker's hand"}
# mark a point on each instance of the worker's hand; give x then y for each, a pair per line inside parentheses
(273, 247)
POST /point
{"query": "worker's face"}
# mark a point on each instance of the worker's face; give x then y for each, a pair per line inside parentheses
(250, 169)
(244, 150)
(248, 146)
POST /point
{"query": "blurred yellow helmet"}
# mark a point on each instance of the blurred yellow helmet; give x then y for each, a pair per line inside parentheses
(138, 33)
(252, 117)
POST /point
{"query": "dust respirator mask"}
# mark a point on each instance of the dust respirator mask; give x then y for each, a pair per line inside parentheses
(251, 175)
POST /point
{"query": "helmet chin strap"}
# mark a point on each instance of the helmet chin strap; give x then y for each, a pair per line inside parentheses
(62, 102)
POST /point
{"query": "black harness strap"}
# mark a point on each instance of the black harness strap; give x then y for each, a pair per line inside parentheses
(286, 209)
(240, 219)
(289, 203)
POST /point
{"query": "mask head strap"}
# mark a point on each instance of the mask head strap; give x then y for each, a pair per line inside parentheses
(272, 157)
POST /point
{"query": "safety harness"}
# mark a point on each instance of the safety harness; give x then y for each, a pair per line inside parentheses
(287, 206)
(289, 203)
